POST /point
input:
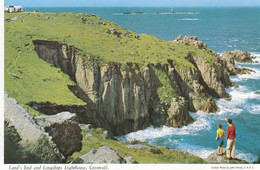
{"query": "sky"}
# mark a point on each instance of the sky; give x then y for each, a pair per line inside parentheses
(141, 3)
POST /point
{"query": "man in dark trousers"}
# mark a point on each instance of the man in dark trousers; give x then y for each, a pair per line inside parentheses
(231, 140)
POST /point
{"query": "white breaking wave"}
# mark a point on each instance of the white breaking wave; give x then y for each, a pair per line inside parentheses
(254, 109)
(239, 96)
(202, 123)
(197, 151)
(253, 75)
(246, 156)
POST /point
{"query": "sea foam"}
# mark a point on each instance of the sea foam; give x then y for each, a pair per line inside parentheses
(202, 123)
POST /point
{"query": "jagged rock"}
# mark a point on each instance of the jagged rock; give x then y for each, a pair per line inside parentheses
(113, 31)
(191, 39)
(130, 160)
(214, 158)
(200, 44)
(178, 113)
(64, 129)
(103, 155)
(209, 106)
(243, 56)
(193, 91)
(239, 56)
(229, 58)
(215, 80)
(36, 143)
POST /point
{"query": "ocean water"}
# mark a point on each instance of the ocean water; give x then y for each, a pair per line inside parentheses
(222, 29)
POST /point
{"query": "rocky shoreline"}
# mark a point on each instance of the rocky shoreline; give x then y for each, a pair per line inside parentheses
(135, 81)
(100, 84)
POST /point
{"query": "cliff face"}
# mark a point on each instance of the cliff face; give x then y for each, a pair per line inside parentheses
(128, 97)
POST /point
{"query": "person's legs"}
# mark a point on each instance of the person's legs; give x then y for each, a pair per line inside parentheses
(221, 150)
(228, 149)
(233, 149)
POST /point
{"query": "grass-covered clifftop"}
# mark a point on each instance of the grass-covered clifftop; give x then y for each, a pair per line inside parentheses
(28, 78)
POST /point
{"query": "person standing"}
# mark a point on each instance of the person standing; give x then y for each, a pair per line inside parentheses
(220, 139)
(231, 140)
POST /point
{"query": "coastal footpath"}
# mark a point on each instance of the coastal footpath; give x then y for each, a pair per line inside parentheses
(69, 71)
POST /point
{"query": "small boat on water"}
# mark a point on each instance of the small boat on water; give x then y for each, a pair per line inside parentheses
(127, 12)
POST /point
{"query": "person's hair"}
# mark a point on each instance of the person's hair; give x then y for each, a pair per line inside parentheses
(220, 125)
(229, 121)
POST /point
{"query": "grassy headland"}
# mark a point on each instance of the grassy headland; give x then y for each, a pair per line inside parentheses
(37, 80)
(29, 78)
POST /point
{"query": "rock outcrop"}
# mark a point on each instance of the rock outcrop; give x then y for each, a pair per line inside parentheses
(178, 113)
(103, 155)
(214, 158)
(125, 97)
(130, 160)
(191, 39)
(33, 141)
(121, 95)
(64, 130)
(242, 56)
(239, 56)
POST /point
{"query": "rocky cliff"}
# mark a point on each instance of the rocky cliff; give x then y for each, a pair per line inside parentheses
(129, 97)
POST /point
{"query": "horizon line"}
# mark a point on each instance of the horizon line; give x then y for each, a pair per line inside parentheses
(250, 6)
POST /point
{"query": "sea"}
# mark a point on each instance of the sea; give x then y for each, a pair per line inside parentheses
(222, 29)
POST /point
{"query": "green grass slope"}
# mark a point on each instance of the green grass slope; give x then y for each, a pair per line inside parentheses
(36, 80)
(157, 155)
